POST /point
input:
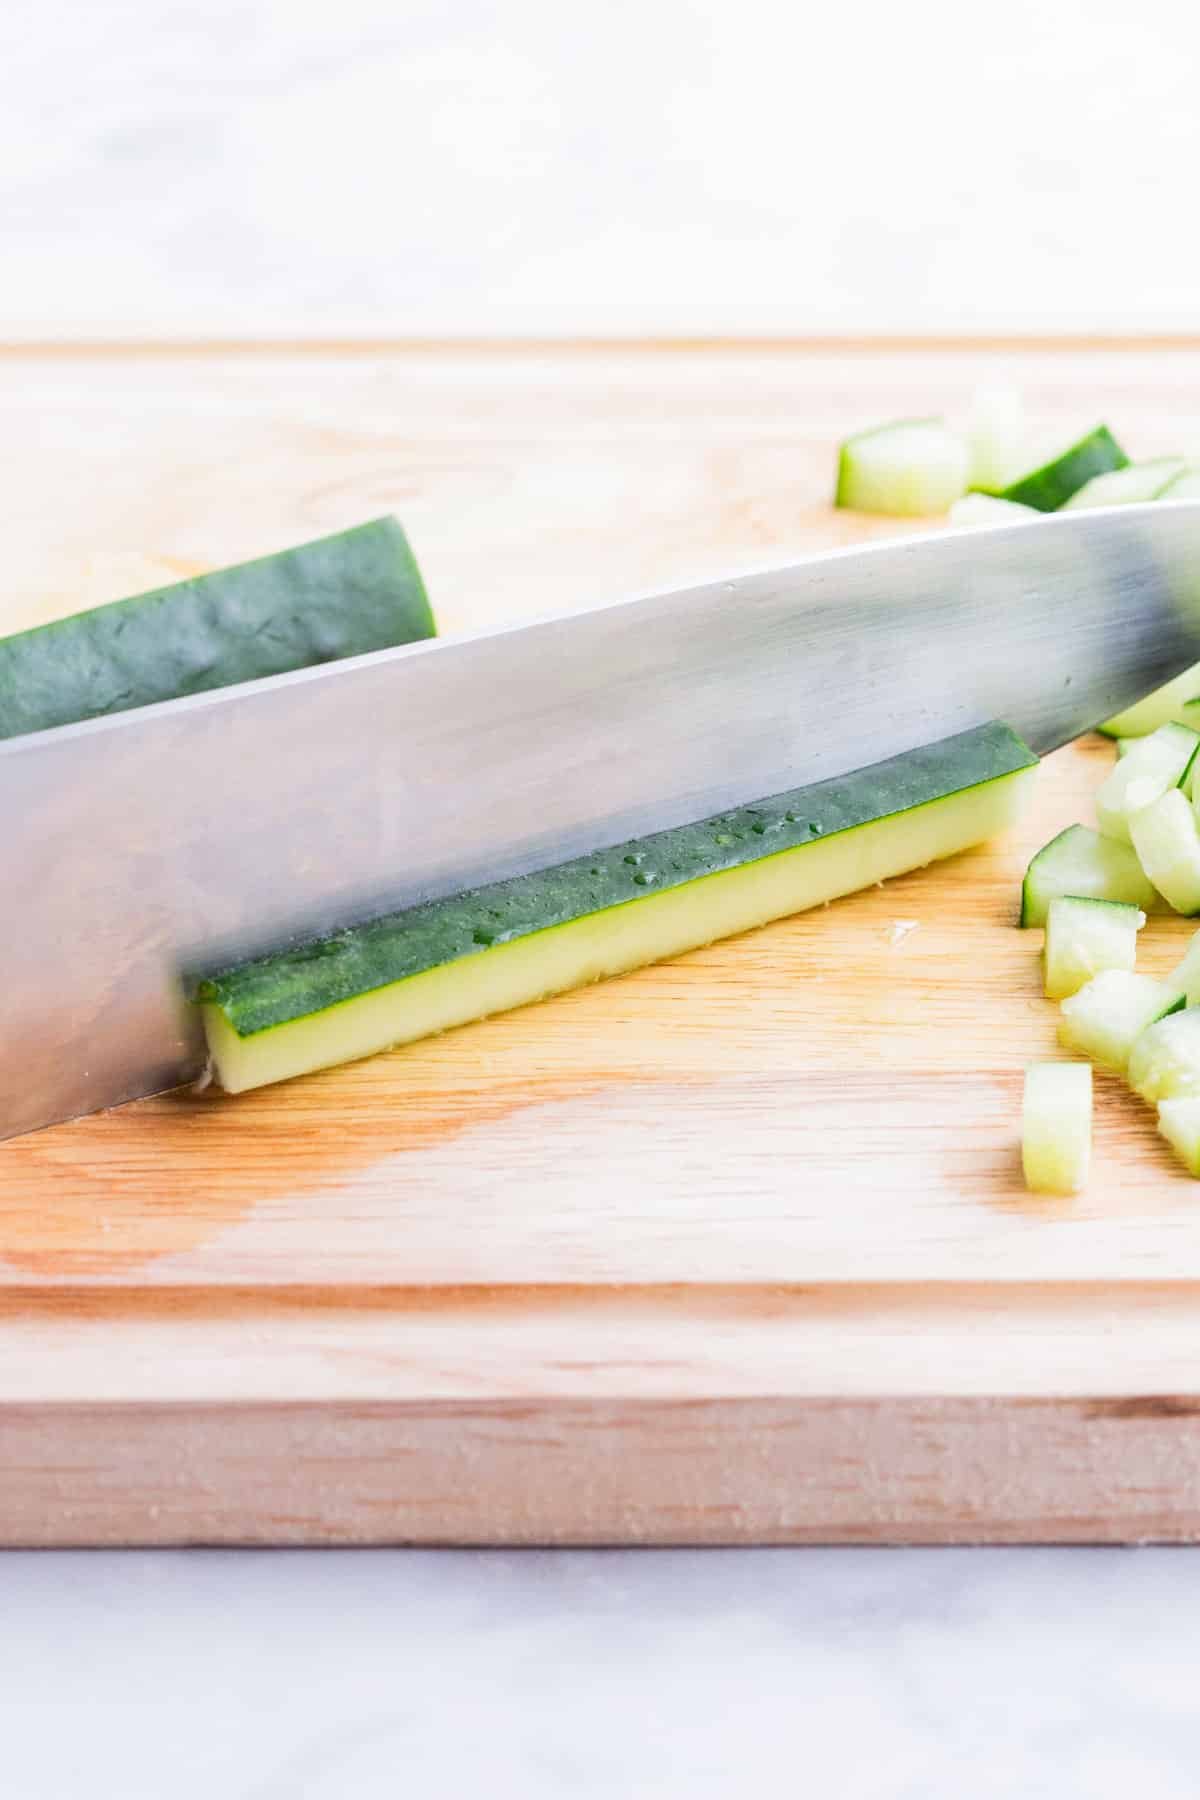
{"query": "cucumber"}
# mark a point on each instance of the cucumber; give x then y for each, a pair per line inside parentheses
(1056, 1127)
(356, 591)
(1084, 936)
(1167, 842)
(905, 469)
(1081, 862)
(1155, 764)
(1051, 485)
(1124, 746)
(1164, 1063)
(1105, 1019)
(447, 962)
(1128, 486)
(1179, 1122)
(1185, 486)
(1177, 700)
(997, 437)
(986, 509)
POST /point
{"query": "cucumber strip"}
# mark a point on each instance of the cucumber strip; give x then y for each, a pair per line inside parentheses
(1164, 1063)
(905, 469)
(985, 509)
(1156, 763)
(997, 437)
(1169, 702)
(1128, 486)
(1105, 1019)
(1056, 1127)
(1186, 486)
(359, 590)
(1167, 842)
(451, 961)
(1081, 862)
(1052, 485)
(1179, 1123)
(1124, 746)
(1084, 936)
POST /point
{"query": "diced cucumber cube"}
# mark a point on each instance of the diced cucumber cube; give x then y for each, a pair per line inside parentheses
(1106, 1018)
(1164, 1063)
(1158, 762)
(1085, 937)
(1056, 1127)
(1167, 841)
(906, 469)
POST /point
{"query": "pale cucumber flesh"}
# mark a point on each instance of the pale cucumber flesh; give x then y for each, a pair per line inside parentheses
(1056, 1127)
(1105, 1019)
(1083, 938)
(1155, 764)
(1164, 1063)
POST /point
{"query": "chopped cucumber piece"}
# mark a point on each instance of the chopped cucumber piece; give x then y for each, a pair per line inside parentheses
(997, 436)
(1179, 1122)
(1167, 843)
(1056, 1127)
(1052, 484)
(1158, 762)
(359, 590)
(986, 509)
(447, 962)
(1164, 1063)
(1105, 1019)
(1125, 487)
(1084, 936)
(1186, 486)
(1125, 745)
(1186, 974)
(1171, 701)
(1081, 862)
(906, 469)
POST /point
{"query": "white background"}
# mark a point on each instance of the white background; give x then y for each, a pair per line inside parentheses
(398, 166)
(385, 167)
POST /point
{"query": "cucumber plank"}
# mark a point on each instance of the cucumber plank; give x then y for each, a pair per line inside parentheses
(340, 596)
(447, 962)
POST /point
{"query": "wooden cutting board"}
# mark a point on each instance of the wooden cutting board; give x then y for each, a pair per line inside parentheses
(731, 1250)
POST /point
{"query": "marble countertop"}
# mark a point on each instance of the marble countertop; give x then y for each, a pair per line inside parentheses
(250, 167)
(360, 1675)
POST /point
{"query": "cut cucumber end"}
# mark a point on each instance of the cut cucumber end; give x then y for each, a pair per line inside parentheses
(907, 469)
(1056, 1127)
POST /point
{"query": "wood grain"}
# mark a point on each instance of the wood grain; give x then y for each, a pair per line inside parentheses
(730, 1249)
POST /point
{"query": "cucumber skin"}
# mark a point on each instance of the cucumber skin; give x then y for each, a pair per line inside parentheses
(296, 983)
(1052, 485)
(356, 591)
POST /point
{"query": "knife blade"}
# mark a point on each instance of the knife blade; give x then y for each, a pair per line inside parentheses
(148, 846)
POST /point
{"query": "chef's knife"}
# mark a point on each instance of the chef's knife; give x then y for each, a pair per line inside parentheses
(145, 847)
